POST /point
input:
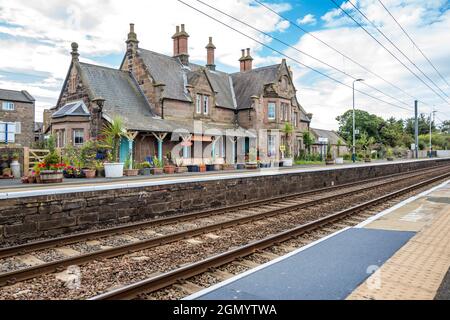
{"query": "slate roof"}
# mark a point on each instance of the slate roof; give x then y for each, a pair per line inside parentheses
(251, 83)
(77, 108)
(16, 96)
(332, 136)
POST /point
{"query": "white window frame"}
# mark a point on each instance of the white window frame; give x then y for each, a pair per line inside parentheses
(274, 111)
(8, 106)
(18, 127)
(271, 144)
(198, 106)
(11, 132)
(205, 105)
(74, 137)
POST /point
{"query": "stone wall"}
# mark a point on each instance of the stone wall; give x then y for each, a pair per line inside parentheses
(24, 113)
(58, 214)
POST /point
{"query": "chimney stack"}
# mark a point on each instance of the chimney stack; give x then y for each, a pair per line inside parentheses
(74, 53)
(210, 55)
(180, 45)
(246, 61)
(132, 41)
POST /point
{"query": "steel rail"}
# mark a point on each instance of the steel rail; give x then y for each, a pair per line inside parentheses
(59, 265)
(164, 280)
(95, 234)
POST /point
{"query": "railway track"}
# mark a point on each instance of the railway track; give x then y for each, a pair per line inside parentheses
(211, 265)
(265, 212)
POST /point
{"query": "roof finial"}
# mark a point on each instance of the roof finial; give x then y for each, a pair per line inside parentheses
(74, 53)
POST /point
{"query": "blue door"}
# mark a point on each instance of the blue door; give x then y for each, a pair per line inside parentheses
(123, 150)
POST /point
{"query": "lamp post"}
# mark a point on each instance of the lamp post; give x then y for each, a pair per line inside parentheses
(354, 135)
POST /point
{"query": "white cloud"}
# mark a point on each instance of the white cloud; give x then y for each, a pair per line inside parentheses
(308, 19)
(35, 36)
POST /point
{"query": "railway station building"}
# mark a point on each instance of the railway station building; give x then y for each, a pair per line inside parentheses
(168, 103)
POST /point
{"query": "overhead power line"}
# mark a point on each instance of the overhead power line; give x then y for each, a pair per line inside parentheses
(398, 49)
(290, 58)
(300, 51)
(334, 49)
(389, 51)
(414, 43)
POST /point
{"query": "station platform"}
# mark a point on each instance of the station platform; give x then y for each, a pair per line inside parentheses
(402, 253)
(10, 189)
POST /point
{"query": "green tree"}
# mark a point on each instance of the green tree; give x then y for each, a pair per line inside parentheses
(308, 140)
(365, 122)
(112, 133)
(424, 125)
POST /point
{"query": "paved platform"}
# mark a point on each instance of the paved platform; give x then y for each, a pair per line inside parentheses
(10, 189)
(402, 253)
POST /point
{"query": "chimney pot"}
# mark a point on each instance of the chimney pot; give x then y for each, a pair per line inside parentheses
(248, 51)
(182, 27)
(178, 29)
(131, 27)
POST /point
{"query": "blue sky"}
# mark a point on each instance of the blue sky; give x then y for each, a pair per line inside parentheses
(35, 42)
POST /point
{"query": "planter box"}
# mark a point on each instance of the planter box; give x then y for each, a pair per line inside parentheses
(288, 162)
(131, 172)
(157, 171)
(193, 168)
(145, 171)
(169, 169)
(228, 166)
(240, 166)
(113, 170)
(181, 169)
(50, 176)
(90, 174)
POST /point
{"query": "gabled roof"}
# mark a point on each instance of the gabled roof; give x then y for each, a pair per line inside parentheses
(251, 83)
(121, 92)
(16, 96)
(169, 71)
(332, 136)
(77, 108)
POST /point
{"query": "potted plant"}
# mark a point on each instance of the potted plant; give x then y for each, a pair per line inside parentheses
(209, 165)
(202, 167)
(339, 159)
(51, 170)
(7, 174)
(240, 166)
(4, 162)
(390, 154)
(113, 133)
(288, 129)
(180, 168)
(158, 166)
(329, 160)
(145, 168)
(193, 168)
(131, 169)
(99, 168)
(15, 165)
(169, 168)
(228, 166)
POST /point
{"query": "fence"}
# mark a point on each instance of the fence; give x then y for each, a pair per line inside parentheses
(33, 156)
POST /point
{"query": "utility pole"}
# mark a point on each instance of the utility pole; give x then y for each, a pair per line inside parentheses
(354, 126)
(416, 110)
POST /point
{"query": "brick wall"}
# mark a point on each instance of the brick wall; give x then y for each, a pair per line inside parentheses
(58, 214)
(23, 113)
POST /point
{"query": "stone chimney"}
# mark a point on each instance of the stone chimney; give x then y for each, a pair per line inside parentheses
(210, 55)
(132, 47)
(246, 61)
(74, 53)
(180, 45)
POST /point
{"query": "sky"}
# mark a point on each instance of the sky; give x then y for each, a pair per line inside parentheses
(35, 38)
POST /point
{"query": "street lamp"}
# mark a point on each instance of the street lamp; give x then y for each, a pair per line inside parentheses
(354, 135)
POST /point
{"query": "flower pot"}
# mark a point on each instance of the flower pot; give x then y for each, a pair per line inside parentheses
(31, 179)
(288, 162)
(113, 170)
(329, 162)
(202, 168)
(193, 168)
(251, 166)
(131, 172)
(181, 169)
(101, 173)
(210, 167)
(228, 166)
(367, 160)
(218, 167)
(339, 160)
(240, 166)
(390, 159)
(169, 169)
(157, 171)
(15, 169)
(51, 176)
(89, 173)
(145, 171)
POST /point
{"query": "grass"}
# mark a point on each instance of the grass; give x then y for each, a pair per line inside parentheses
(304, 162)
